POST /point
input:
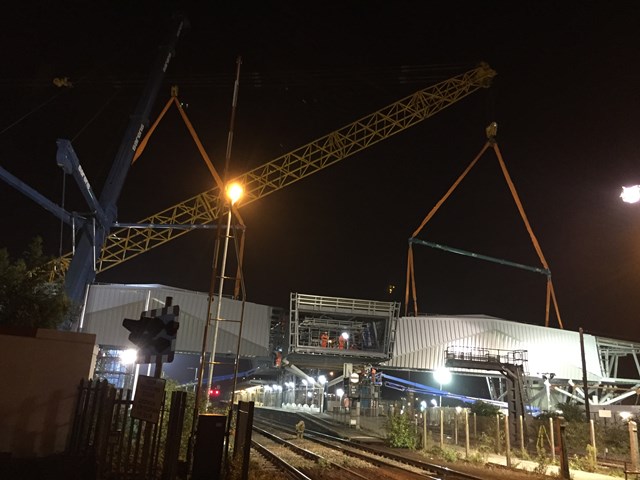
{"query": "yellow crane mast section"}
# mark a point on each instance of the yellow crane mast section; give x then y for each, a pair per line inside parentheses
(126, 243)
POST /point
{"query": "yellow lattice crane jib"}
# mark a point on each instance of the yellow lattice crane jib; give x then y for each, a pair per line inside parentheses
(126, 243)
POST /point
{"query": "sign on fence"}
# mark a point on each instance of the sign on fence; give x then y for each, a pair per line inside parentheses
(148, 400)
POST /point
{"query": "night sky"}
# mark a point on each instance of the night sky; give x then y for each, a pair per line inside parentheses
(566, 99)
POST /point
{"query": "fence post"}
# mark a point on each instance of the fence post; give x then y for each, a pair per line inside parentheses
(475, 427)
(522, 445)
(441, 429)
(593, 438)
(633, 445)
(424, 429)
(455, 426)
(497, 433)
(552, 440)
(466, 432)
(507, 440)
(174, 434)
(564, 454)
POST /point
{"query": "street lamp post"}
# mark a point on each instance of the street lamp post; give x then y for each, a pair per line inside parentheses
(234, 192)
(339, 394)
(442, 375)
(322, 380)
(306, 390)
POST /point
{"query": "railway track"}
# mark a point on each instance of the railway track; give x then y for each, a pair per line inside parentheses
(364, 462)
(301, 463)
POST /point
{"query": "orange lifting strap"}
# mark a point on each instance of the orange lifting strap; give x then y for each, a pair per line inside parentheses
(411, 281)
(214, 173)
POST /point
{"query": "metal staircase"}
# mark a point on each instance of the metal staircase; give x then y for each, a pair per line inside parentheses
(512, 365)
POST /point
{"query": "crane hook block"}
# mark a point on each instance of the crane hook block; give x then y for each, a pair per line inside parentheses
(492, 131)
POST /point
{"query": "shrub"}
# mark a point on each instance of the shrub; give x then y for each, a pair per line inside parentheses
(401, 431)
(447, 454)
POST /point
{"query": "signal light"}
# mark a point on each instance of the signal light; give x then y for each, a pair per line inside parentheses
(214, 392)
(155, 332)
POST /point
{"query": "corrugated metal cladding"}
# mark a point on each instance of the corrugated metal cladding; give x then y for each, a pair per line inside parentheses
(109, 304)
(421, 343)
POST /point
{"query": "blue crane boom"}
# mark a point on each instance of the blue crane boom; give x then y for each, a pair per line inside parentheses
(82, 270)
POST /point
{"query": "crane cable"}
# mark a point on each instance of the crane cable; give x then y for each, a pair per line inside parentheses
(411, 284)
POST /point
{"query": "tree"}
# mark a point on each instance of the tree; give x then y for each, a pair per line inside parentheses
(401, 432)
(27, 297)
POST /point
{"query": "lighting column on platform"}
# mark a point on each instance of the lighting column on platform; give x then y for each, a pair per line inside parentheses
(340, 394)
(234, 192)
(306, 390)
(442, 375)
(322, 380)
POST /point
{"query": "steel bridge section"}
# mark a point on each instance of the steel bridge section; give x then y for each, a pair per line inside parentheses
(318, 324)
(554, 357)
(611, 351)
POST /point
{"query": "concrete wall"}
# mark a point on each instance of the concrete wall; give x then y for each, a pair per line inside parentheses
(40, 371)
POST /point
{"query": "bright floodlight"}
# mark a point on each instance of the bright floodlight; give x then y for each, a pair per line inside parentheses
(304, 382)
(340, 392)
(630, 194)
(442, 375)
(434, 402)
(234, 192)
(345, 335)
(127, 357)
(322, 379)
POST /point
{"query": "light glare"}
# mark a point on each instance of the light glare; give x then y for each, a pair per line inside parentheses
(234, 192)
(442, 375)
(129, 356)
(630, 194)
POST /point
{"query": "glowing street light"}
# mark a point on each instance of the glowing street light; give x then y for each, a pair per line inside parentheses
(234, 192)
(630, 194)
(442, 375)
